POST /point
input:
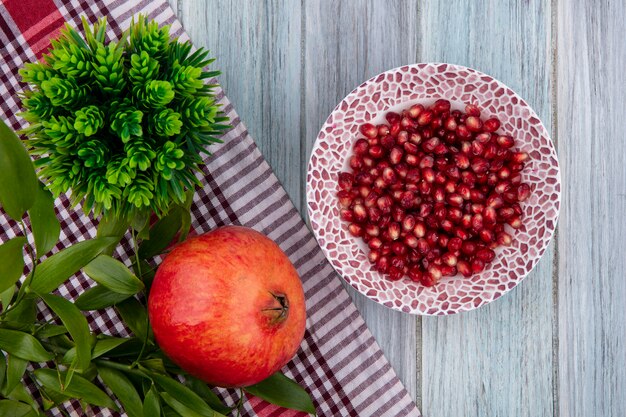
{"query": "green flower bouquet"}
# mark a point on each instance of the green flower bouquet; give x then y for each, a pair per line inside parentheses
(121, 124)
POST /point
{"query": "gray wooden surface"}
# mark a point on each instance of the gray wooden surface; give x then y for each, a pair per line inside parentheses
(556, 345)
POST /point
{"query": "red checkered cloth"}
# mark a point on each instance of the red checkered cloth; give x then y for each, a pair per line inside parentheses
(339, 362)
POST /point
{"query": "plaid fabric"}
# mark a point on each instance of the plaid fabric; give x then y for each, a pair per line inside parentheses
(339, 362)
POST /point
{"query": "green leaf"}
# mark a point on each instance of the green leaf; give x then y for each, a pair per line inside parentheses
(22, 317)
(179, 407)
(15, 371)
(51, 399)
(3, 368)
(123, 390)
(99, 297)
(76, 325)
(183, 394)
(6, 296)
(44, 222)
(135, 316)
(50, 330)
(202, 389)
(18, 182)
(11, 408)
(23, 345)
(283, 392)
(62, 265)
(20, 393)
(112, 225)
(105, 345)
(78, 388)
(114, 275)
(162, 234)
(151, 405)
(130, 348)
(12, 263)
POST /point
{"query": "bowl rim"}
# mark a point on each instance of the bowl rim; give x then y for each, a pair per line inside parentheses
(522, 103)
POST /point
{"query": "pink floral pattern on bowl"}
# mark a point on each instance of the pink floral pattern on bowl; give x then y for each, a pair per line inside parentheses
(398, 89)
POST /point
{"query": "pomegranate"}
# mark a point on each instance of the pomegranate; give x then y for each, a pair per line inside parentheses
(228, 306)
(442, 179)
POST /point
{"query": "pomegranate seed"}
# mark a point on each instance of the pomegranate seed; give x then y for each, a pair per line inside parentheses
(515, 222)
(395, 273)
(383, 130)
(372, 230)
(394, 231)
(370, 200)
(464, 268)
(432, 237)
(440, 211)
(502, 187)
(388, 142)
(389, 175)
(427, 162)
(476, 196)
(450, 124)
(491, 125)
(374, 214)
(360, 214)
(392, 117)
(473, 124)
(431, 144)
(479, 165)
(477, 265)
(415, 110)
(485, 255)
(463, 132)
(411, 148)
(490, 152)
(412, 160)
(379, 184)
(363, 178)
(489, 216)
(384, 203)
(395, 156)
(483, 138)
(346, 214)
(519, 157)
(428, 280)
(415, 138)
(466, 221)
(477, 148)
(412, 175)
(394, 129)
(455, 199)
(439, 195)
(407, 200)
(435, 272)
(477, 208)
(510, 196)
(464, 191)
(472, 110)
(517, 208)
(376, 152)
(505, 141)
(383, 264)
(468, 178)
(448, 271)
(505, 213)
(523, 192)
(410, 241)
(398, 248)
(368, 162)
(486, 235)
(373, 141)
(504, 238)
(401, 169)
(414, 256)
(355, 162)
(516, 179)
(517, 167)
(450, 187)
(428, 175)
(345, 199)
(373, 256)
(454, 244)
(422, 246)
(468, 247)
(361, 146)
(453, 173)
(425, 209)
(424, 188)
(425, 118)
(368, 130)
(440, 106)
(355, 229)
(420, 229)
(415, 274)
(384, 220)
(449, 259)
(440, 149)
(504, 173)
(399, 261)
(397, 214)
(503, 153)
(375, 243)
(477, 221)
(408, 223)
(408, 123)
(455, 214)
(461, 234)
(495, 201)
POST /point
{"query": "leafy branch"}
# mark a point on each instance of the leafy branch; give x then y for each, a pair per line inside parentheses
(143, 380)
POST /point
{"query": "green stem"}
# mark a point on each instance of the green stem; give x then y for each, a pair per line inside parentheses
(119, 367)
(239, 404)
(22, 291)
(136, 250)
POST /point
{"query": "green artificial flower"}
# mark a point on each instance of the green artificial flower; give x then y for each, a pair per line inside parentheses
(167, 123)
(121, 124)
(88, 120)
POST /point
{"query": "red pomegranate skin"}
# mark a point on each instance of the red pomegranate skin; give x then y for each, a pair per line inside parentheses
(228, 307)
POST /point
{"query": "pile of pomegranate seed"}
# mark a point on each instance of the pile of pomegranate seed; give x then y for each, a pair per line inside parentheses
(431, 192)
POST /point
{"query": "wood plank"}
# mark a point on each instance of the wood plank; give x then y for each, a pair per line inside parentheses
(495, 361)
(345, 44)
(592, 252)
(258, 48)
